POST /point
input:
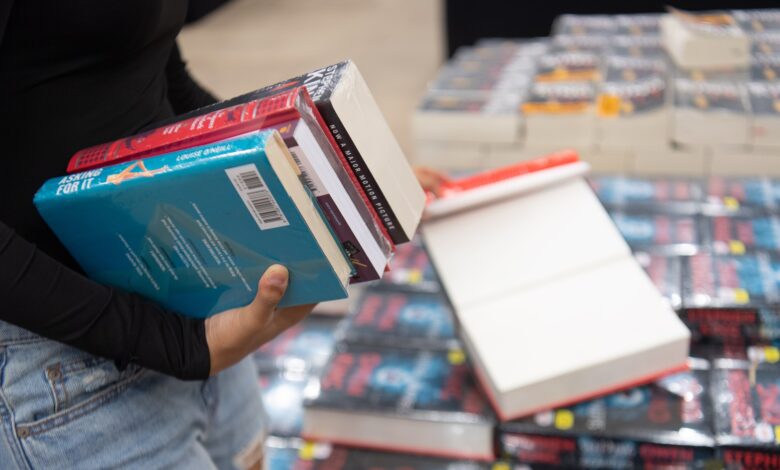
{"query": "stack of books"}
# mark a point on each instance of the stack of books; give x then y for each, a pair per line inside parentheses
(675, 94)
(305, 173)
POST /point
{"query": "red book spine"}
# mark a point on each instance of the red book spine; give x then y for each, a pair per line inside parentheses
(200, 130)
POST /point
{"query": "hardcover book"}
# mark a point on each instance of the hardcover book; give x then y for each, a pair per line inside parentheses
(326, 173)
(664, 424)
(305, 346)
(353, 118)
(402, 320)
(149, 226)
(726, 281)
(404, 400)
(668, 195)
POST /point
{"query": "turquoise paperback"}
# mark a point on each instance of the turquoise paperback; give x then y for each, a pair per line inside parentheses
(193, 229)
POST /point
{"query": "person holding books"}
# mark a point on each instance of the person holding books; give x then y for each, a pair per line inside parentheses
(105, 392)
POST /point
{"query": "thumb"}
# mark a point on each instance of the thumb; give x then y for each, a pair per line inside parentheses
(270, 290)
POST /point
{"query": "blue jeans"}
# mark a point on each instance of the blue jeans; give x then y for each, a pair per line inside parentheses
(64, 408)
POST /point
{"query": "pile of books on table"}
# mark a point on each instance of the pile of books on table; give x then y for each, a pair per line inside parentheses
(398, 390)
(645, 94)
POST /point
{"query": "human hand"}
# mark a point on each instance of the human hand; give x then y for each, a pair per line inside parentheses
(430, 179)
(233, 334)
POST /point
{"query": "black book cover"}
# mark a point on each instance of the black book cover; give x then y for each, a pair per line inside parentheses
(664, 195)
(666, 423)
(747, 404)
(421, 385)
(728, 281)
(401, 319)
(736, 235)
(411, 268)
(305, 346)
(667, 233)
(742, 195)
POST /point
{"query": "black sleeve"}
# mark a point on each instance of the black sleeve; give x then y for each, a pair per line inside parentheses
(184, 93)
(41, 295)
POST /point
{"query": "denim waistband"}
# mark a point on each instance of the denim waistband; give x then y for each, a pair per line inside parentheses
(14, 334)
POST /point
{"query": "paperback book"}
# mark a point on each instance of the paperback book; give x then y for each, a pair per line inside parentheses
(421, 402)
(709, 39)
(551, 107)
(566, 66)
(666, 273)
(709, 113)
(664, 424)
(149, 226)
(765, 108)
(325, 172)
(661, 233)
(726, 281)
(401, 319)
(632, 111)
(585, 25)
(353, 118)
(637, 25)
(733, 194)
(304, 347)
(737, 235)
(668, 195)
(758, 20)
(636, 46)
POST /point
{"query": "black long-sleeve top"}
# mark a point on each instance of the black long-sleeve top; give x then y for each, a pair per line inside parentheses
(74, 74)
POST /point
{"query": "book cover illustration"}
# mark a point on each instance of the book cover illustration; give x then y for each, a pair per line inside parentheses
(498, 102)
(765, 42)
(411, 268)
(401, 319)
(646, 24)
(148, 227)
(283, 392)
(586, 25)
(747, 405)
(710, 96)
(732, 194)
(674, 234)
(428, 385)
(726, 281)
(573, 43)
(317, 456)
(619, 68)
(559, 98)
(757, 21)
(764, 98)
(636, 46)
(675, 195)
(664, 423)
(737, 235)
(568, 67)
(630, 98)
(305, 346)
(666, 273)
(765, 67)
(738, 326)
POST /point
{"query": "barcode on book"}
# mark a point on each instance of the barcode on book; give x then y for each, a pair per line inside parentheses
(257, 197)
(305, 175)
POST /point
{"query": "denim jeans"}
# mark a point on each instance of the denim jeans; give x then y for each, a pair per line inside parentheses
(64, 408)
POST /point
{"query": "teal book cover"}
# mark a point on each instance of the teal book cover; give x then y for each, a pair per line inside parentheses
(194, 229)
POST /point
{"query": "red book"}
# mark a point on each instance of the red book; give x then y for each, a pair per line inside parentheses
(264, 113)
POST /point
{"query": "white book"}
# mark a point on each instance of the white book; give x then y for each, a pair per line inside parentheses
(553, 307)
(705, 40)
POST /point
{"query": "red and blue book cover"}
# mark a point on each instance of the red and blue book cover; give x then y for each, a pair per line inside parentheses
(731, 281)
(666, 424)
(401, 319)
